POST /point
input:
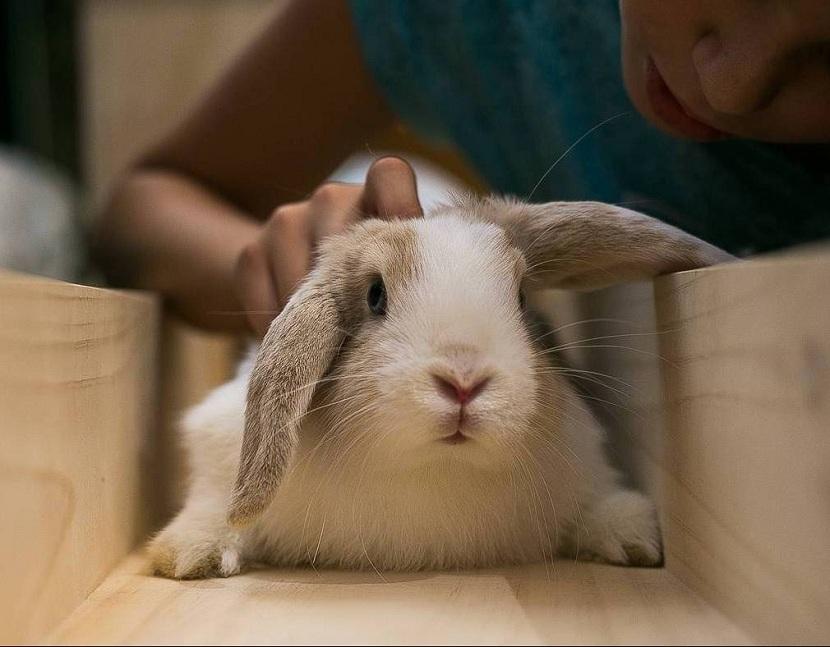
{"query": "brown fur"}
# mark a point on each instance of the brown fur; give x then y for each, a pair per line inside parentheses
(300, 346)
(589, 245)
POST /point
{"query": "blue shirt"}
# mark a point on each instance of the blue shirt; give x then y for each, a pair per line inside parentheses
(514, 83)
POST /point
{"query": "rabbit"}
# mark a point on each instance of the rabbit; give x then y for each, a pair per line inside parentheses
(402, 411)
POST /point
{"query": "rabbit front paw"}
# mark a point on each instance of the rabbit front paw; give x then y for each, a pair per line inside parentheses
(621, 529)
(186, 551)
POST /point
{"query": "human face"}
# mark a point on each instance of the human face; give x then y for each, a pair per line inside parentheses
(712, 69)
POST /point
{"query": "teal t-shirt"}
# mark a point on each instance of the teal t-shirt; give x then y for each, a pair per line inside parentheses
(514, 83)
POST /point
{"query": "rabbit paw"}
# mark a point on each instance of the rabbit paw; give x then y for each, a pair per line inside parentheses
(621, 529)
(190, 551)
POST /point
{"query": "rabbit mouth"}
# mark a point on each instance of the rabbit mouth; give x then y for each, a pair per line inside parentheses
(456, 438)
(462, 423)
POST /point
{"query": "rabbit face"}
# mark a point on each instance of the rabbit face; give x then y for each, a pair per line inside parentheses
(438, 362)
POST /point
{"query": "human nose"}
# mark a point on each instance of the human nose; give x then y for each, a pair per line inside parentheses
(741, 74)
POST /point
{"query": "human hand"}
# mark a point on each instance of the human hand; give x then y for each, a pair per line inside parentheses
(269, 269)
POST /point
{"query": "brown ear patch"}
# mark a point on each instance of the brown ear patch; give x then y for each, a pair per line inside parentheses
(295, 353)
(374, 247)
(589, 245)
(300, 347)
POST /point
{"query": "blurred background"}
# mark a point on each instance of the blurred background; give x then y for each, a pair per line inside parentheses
(87, 85)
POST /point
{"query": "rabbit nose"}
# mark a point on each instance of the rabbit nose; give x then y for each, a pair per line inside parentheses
(457, 391)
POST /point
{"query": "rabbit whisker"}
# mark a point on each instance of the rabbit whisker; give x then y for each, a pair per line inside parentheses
(572, 146)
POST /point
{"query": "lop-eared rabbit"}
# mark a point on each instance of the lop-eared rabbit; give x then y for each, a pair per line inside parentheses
(404, 411)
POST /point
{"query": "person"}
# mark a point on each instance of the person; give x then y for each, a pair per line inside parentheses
(711, 115)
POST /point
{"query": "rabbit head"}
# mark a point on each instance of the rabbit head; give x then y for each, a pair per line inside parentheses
(412, 340)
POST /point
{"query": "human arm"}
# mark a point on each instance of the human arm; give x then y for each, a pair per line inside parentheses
(282, 117)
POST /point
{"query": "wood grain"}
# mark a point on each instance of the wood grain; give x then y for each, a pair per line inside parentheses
(193, 362)
(716, 387)
(747, 441)
(576, 603)
(143, 64)
(614, 334)
(77, 407)
(737, 454)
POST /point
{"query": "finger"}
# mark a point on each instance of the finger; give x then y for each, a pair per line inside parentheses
(334, 206)
(288, 248)
(255, 288)
(391, 190)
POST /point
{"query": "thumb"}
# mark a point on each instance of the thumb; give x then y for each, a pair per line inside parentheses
(391, 190)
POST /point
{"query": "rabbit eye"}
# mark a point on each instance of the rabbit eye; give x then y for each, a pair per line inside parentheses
(522, 300)
(376, 297)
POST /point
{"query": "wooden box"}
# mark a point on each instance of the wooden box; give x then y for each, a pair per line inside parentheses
(719, 397)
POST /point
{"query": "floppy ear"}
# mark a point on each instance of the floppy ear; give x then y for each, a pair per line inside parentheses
(297, 350)
(589, 245)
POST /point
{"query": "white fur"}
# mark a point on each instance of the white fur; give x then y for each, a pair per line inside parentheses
(372, 486)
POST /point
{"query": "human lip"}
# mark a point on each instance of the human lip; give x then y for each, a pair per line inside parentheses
(671, 112)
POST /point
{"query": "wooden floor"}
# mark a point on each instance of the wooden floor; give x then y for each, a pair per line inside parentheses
(574, 603)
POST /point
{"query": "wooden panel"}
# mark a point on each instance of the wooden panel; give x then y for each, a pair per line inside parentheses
(77, 405)
(716, 386)
(193, 362)
(577, 603)
(739, 458)
(747, 462)
(144, 63)
(612, 336)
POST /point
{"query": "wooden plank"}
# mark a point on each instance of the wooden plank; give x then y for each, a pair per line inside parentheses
(613, 335)
(716, 386)
(576, 603)
(193, 362)
(77, 405)
(143, 64)
(738, 458)
(747, 445)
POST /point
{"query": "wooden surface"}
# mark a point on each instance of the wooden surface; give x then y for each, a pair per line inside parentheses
(747, 441)
(576, 604)
(737, 455)
(716, 384)
(193, 362)
(614, 335)
(77, 407)
(144, 63)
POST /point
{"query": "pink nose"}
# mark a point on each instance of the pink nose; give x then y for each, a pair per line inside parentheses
(461, 393)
